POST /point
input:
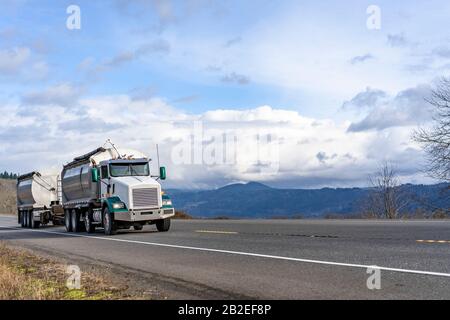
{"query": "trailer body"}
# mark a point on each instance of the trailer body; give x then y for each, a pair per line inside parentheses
(37, 198)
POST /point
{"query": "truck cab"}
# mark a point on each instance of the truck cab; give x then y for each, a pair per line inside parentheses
(114, 189)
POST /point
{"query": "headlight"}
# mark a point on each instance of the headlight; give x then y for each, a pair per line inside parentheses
(118, 205)
(167, 202)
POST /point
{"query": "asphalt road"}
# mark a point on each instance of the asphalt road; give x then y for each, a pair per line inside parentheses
(264, 259)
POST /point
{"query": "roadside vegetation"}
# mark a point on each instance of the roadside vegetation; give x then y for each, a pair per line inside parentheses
(26, 276)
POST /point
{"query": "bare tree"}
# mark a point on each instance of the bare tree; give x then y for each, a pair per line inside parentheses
(436, 140)
(386, 198)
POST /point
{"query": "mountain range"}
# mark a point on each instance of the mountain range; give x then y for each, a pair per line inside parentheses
(256, 200)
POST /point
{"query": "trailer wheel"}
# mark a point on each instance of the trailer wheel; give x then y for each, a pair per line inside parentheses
(25, 219)
(22, 219)
(30, 219)
(90, 228)
(68, 220)
(163, 225)
(76, 223)
(34, 224)
(108, 223)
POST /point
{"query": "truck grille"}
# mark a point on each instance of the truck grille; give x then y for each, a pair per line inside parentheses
(145, 198)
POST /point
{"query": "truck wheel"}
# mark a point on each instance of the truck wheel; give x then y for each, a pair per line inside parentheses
(138, 227)
(22, 219)
(68, 220)
(90, 228)
(30, 219)
(108, 223)
(35, 224)
(76, 223)
(25, 219)
(163, 225)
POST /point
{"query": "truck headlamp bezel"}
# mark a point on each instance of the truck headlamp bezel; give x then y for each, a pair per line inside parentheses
(118, 205)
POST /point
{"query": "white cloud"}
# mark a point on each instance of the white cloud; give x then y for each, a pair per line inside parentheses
(11, 60)
(309, 152)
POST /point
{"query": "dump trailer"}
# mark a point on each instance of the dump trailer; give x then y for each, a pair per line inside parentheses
(37, 199)
(113, 189)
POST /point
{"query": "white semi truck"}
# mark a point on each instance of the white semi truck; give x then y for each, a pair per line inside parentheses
(109, 187)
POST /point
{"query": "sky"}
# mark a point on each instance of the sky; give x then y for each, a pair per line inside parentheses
(294, 94)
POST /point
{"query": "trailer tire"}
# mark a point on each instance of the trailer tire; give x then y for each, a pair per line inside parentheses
(163, 225)
(88, 223)
(30, 219)
(108, 223)
(25, 219)
(68, 220)
(35, 224)
(22, 219)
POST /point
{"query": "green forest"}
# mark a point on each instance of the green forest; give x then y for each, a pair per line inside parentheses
(8, 175)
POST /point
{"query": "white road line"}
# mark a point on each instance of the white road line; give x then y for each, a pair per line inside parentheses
(216, 232)
(351, 265)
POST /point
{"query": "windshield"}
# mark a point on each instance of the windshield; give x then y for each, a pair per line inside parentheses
(129, 169)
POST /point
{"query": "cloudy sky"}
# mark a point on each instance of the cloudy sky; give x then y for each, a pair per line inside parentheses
(309, 95)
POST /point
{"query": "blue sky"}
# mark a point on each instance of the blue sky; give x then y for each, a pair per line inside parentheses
(315, 63)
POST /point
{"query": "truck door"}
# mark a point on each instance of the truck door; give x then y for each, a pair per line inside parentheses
(104, 185)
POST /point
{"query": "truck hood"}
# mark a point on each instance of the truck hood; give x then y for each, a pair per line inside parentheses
(125, 187)
(135, 181)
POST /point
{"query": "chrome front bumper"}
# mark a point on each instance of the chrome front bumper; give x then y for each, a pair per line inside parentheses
(144, 215)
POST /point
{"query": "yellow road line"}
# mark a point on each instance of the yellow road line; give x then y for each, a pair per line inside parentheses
(433, 241)
(217, 232)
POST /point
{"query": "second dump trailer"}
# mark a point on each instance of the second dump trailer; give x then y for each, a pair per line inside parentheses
(37, 199)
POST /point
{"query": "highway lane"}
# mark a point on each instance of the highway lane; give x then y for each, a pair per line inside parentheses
(265, 258)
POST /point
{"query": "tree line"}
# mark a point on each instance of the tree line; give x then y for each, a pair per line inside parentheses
(8, 175)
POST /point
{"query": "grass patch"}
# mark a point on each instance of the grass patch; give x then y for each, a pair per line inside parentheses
(25, 276)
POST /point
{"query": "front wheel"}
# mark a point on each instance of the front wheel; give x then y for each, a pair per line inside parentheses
(68, 221)
(163, 225)
(108, 223)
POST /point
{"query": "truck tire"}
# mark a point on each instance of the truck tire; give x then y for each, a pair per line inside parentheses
(22, 219)
(25, 219)
(35, 224)
(88, 223)
(163, 225)
(30, 219)
(68, 220)
(76, 222)
(108, 223)
(138, 227)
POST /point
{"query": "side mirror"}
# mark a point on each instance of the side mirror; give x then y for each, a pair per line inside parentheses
(162, 173)
(94, 174)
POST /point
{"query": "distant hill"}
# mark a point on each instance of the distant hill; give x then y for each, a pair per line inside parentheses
(256, 200)
(7, 196)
